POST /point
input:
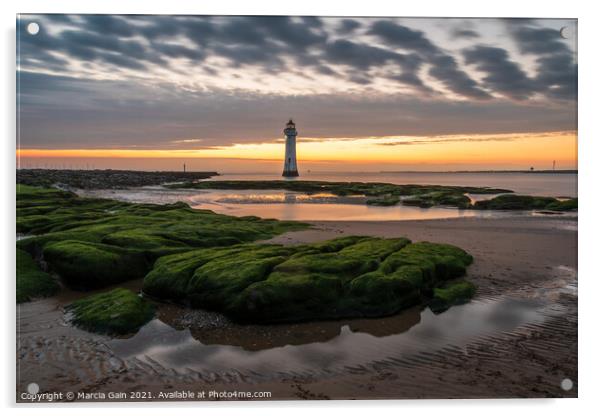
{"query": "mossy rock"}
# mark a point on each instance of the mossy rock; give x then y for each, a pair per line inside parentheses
(31, 281)
(563, 205)
(93, 242)
(340, 278)
(526, 202)
(439, 198)
(119, 311)
(452, 293)
(386, 201)
(92, 265)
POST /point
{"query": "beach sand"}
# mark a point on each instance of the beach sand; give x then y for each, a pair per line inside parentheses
(522, 257)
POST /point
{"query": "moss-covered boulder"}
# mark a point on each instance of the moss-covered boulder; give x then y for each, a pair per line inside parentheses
(346, 277)
(439, 198)
(452, 293)
(526, 202)
(384, 201)
(91, 265)
(31, 281)
(93, 242)
(570, 204)
(119, 311)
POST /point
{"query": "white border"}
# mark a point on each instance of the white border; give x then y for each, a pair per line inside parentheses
(589, 189)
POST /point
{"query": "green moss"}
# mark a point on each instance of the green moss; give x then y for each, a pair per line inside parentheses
(526, 202)
(91, 265)
(379, 194)
(385, 201)
(96, 242)
(104, 179)
(453, 293)
(346, 277)
(441, 198)
(564, 205)
(119, 311)
(31, 281)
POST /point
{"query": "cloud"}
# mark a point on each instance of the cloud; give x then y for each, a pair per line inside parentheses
(358, 55)
(403, 37)
(347, 26)
(90, 80)
(114, 25)
(412, 142)
(445, 69)
(501, 74)
(464, 34)
(443, 66)
(156, 43)
(64, 112)
(556, 66)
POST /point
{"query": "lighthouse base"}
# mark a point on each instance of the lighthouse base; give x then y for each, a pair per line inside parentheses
(290, 173)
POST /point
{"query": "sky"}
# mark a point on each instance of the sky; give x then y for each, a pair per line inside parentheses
(214, 92)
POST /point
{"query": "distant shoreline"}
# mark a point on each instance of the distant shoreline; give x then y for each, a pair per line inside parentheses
(564, 171)
(547, 171)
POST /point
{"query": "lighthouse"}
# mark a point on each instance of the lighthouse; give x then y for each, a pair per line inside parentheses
(290, 151)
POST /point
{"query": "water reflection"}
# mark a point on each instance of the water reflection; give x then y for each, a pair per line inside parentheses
(323, 346)
(285, 205)
(261, 337)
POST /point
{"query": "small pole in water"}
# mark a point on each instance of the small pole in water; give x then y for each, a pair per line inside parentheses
(554, 165)
(184, 167)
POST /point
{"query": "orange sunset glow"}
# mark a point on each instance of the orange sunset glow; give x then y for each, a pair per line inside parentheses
(514, 149)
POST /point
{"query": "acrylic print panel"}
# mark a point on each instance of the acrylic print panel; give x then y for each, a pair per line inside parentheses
(276, 208)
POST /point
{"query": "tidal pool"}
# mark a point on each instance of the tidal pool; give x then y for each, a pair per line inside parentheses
(265, 351)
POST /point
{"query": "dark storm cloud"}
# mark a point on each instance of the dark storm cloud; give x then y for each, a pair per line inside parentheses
(362, 57)
(464, 34)
(556, 67)
(538, 41)
(178, 51)
(115, 25)
(65, 112)
(502, 75)
(359, 55)
(443, 66)
(242, 31)
(559, 74)
(86, 46)
(403, 37)
(138, 42)
(72, 40)
(294, 35)
(249, 55)
(347, 26)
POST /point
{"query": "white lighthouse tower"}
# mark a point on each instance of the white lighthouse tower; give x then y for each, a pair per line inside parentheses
(290, 152)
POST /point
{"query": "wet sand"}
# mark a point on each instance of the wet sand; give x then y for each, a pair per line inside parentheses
(518, 258)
